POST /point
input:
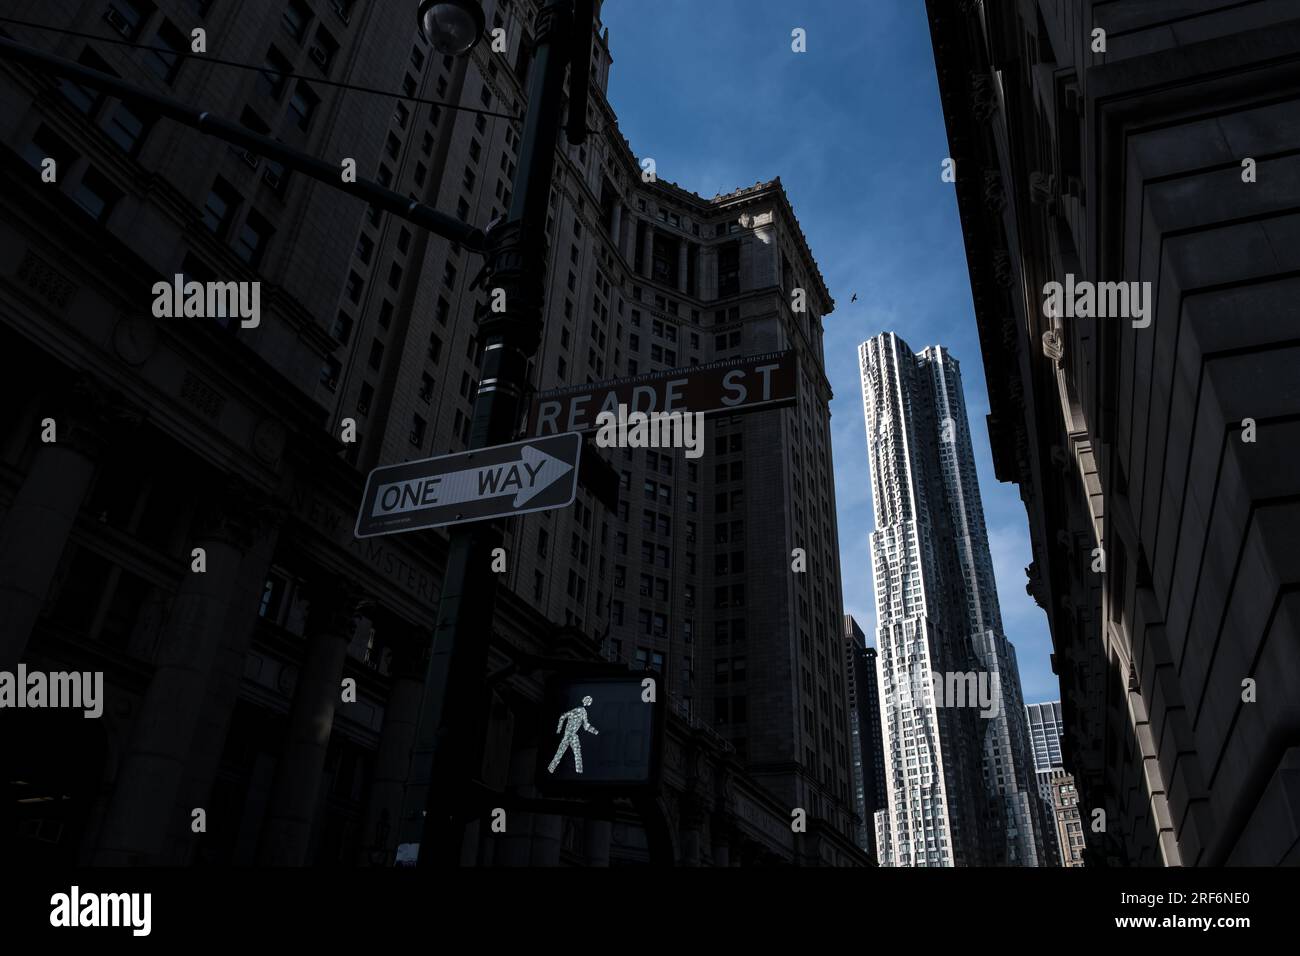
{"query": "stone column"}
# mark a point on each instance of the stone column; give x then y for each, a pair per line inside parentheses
(648, 249)
(707, 277)
(616, 226)
(36, 528)
(294, 794)
(209, 743)
(681, 265)
(690, 824)
(596, 839)
(393, 762)
(548, 833)
(149, 780)
(626, 237)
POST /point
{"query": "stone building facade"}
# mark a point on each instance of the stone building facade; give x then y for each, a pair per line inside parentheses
(1064, 804)
(1153, 440)
(180, 434)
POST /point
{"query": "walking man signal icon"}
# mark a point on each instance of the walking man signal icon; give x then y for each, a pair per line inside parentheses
(569, 723)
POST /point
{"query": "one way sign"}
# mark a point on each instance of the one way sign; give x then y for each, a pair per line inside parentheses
(475, 485)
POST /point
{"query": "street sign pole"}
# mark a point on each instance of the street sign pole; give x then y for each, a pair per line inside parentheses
(447, 755)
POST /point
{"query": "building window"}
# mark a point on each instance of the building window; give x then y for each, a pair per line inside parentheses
(271, 78)
(376, 354)
(96, 195)
(342, 330)
(324, 50)
(126, 17)
(418, 426)
(165, 65)
(365, 248)
(220, 207)
(356, 285)
(126, 129)
(303, 104)
(86, 100)
(294, 19)
(329, 373)
(253, 237)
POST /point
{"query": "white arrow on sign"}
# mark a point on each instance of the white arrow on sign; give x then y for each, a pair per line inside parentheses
(526, 478)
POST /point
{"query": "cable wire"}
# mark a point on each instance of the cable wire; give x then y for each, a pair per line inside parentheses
(261, 69)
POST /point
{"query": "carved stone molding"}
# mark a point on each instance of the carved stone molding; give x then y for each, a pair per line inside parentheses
(45, 281)
(1042, 188)
(268, 440)
(983, 97)
(201, 396)
(1002, 269)
(1053, 346)
(995, 197)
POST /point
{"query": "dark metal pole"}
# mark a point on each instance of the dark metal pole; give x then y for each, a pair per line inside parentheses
(446, 759)
(580, 72)
(331, 174)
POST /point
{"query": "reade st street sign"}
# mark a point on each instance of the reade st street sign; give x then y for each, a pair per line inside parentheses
(727, 386)
(504, 480)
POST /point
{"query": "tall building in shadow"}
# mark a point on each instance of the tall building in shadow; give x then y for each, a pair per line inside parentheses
(864, 723)
(252, 443)
(1127, 182)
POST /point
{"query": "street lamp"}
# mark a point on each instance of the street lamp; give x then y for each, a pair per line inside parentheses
(452, 26)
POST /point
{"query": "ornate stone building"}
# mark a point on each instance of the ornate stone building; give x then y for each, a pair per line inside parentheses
(1155, 446)
(174, 435)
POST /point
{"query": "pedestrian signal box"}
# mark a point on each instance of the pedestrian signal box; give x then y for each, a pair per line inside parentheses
(601, 733)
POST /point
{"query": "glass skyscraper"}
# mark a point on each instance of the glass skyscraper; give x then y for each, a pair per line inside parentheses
(960, 776)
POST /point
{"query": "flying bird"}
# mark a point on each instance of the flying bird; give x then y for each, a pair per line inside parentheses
(855, 298)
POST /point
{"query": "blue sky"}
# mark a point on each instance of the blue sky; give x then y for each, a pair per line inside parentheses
(712, 91)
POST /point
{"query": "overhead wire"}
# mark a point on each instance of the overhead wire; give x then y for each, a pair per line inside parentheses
(208, 58)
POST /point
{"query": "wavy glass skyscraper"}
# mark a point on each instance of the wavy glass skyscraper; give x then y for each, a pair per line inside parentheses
(960, 779)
